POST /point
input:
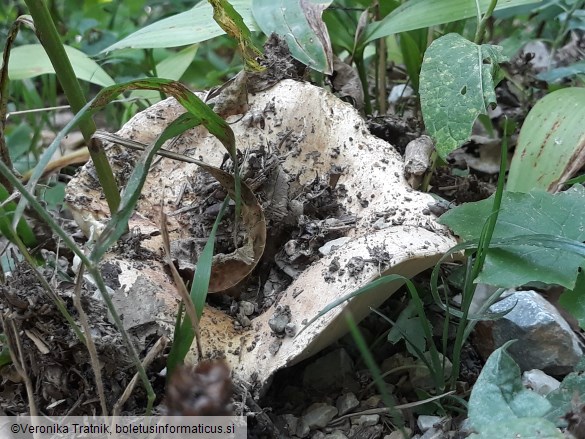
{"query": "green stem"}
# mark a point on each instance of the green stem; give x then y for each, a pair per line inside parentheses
(49, 38)
(483, 21)
(564, 25)
(359, 62)
(4, 153)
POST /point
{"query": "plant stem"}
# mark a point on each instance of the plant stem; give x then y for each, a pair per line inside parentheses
(4, 153)
(564, 25)
(359, 63)
(49, 38)
(482, 23)
(381, 70)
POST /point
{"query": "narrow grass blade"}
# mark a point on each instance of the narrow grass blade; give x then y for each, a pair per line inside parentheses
(185, 334)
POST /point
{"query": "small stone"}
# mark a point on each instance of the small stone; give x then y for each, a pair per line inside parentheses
(398, 434)
(539, 381)
(247, 308)
(545, 340)
(380, 224)
(373, 401)
(426, 422)
(398, 92)
(318, 415)
(290, 329)
(366, 420)
(433, 433)
(336, 434)
(303, 429)
(318, 435)
(346, 403)
(279, 319)
(355, 265)
(274, 347)
(290, 422)
(244, 321)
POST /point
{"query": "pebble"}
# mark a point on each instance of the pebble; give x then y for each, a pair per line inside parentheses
(539, 381)
(398, 434)
(366, 420)
(318, 415)
(346, 403)
(426, 422)
(247, 308)
(336, 434)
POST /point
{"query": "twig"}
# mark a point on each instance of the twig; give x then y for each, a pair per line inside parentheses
(15, 347)
(158, 347)
(387, 410)
(89, 341)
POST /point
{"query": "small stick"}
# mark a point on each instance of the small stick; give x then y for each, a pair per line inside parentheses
(89, 341)
(158, 347)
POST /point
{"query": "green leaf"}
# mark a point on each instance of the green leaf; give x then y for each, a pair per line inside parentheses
(184, 334)
(500, 404)
(535, 213)
(551, 145)
(573, 301)
(456, 86)
(533, 428)
(172, 67)
(413, 58)
(416, 14)
(408, 327)
(189, 27)
(554, 75)
(299, 23)
(23, 230)
(562, 399)
(232, 23)
(31, 60)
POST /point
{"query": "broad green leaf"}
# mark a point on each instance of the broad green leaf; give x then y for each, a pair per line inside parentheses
(172, 67)
(416, 14)
(31, 60)
(535, 213)
(533, 428)
(408, 327)
(499, 400)
(299, 23)
(562, 399)
(456, 86)
(232, 23)
(189, 27)
(553, 75)
(551, 145)
(573, 301)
